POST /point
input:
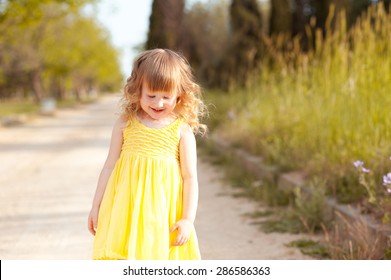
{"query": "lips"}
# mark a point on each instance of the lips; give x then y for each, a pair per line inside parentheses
(157, 110)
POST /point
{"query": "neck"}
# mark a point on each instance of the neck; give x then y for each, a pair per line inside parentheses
(147, 118)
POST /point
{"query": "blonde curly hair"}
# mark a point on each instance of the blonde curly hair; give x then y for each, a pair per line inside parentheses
(167, 71)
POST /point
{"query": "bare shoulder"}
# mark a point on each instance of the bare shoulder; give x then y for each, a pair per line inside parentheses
(120, 123)
(186, 131)
(188, 149)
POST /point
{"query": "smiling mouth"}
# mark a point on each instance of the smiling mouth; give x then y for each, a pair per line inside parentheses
(157, 110)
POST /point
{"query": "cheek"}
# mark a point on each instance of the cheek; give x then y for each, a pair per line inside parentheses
(144, 99)
(143, 102)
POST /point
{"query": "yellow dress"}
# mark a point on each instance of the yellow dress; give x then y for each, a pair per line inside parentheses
(143, 199)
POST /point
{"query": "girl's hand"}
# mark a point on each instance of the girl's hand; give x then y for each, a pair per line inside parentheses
(93, 220)
(184, 227)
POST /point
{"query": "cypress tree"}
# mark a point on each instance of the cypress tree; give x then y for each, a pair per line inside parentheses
(280, 17)
(244, 53)
(165, 24)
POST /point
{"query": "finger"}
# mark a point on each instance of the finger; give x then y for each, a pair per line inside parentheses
(91, 229)
(180, 240)
(185, 241)
(173, 228)
(177, 243)
(177, 240)
(180, 243)
(92, 226)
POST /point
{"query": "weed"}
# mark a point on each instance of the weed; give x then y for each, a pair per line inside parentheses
(287, 222)
(312, 248)
(314, 111)
(379, 201)
(355, 241)
(260, 214)
(310, 206)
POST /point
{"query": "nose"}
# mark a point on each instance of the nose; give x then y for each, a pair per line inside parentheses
(160, 102)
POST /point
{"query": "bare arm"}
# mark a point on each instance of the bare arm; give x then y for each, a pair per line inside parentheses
(112, 157)
(188, 156)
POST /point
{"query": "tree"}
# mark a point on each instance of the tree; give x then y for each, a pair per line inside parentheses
(165, 24)
(84, 61)
(204, 37)
(48, 47)
(245, 46)
(356, 8)
(280, 17)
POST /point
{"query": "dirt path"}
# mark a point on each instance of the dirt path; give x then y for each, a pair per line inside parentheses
(48, 173)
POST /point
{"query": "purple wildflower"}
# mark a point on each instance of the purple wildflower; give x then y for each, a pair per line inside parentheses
(388, 190)
(358, 163)
(387, 179)
(363, 169)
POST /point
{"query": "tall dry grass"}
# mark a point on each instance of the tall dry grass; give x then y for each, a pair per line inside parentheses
(348, 240)
(320, 110)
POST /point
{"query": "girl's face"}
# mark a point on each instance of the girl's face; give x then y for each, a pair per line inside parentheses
(158, 105)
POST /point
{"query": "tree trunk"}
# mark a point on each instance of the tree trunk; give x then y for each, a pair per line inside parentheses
(321, 13)
(281, 17)
(246, 45)
(37, 87)
(165, 24)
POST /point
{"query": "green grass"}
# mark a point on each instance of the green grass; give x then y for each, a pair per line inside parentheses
(247, 184)
(260, 214)
(8, 108)
(312, 248)
(14, 107)
(319, 111)
(285, 223)
(303, 211)
(70, 102)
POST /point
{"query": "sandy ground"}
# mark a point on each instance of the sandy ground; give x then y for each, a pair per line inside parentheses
(48, 173)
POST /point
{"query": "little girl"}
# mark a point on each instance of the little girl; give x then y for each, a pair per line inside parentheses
(147, 193)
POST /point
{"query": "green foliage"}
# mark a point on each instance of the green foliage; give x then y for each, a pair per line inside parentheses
(223, 41)
(260, 214)
(285, 223)
(242, 179)
(245, 47)
(310, 206)
(50, 49)
(321, 110)
(312, 248)
(17, 107)
(378, 200)
(308, 212)
(205, 36)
